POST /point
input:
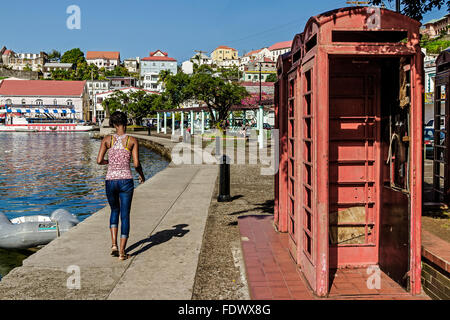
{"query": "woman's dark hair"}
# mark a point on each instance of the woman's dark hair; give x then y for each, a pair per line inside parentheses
(118, 118)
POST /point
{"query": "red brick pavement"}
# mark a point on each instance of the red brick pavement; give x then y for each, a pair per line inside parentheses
(273, 275)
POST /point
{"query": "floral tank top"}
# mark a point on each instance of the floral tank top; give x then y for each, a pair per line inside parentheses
(119, 159)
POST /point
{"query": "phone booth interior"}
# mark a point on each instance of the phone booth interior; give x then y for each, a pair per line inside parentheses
(441, 155)
(357, 145)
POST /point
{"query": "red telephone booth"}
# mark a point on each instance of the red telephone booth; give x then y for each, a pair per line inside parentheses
(354, 150)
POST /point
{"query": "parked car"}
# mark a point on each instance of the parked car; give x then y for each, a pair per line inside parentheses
(428, 138)
(430, 124)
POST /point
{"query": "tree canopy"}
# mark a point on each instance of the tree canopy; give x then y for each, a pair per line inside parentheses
(217, 89)
(136, 104)
(417, 8)
(54, 55)
(73, 56)
(271, 77)
(82, 70)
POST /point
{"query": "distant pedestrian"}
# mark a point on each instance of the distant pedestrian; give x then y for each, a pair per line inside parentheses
(149, 127)
(119, 182)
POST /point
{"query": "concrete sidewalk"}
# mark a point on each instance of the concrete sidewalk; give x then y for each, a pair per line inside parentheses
(168, 219)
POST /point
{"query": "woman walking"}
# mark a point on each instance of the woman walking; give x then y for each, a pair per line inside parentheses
(119, 180)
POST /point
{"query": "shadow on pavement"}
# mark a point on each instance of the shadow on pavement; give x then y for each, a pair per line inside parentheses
(158, 238)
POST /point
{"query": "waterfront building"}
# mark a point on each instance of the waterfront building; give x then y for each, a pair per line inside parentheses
(46, 93)
(52, 66)
(94, 87)
(103, 59)
(224, 53)
(435, 27)
(280, 48)
(151, 67)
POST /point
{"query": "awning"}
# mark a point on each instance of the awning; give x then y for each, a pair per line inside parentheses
(21, 111)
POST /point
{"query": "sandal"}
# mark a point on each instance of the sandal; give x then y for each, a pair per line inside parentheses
(114, 250)
(123, 256)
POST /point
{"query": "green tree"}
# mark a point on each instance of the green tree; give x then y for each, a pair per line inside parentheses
(176, 90)
(271, 77)
(136, 105)
(118, 71)
(140, 105)
(417, 8)
(27, 68)
(216, 91)
(54, 55)
(74, 56)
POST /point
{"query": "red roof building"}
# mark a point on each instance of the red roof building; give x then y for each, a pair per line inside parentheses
(158, 55)
(103, 59)
(47, 93)
(281, 45)
(280, 48)
(107, 55)
(41, 88)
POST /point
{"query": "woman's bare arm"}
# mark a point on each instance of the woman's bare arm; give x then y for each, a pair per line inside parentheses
(101, 153)
(136, 162)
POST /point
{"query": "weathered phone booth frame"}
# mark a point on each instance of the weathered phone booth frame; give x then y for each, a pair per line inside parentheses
(354, 146)
(284, 65)
(441, 150)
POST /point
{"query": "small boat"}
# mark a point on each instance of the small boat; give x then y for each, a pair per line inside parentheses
(33, 231)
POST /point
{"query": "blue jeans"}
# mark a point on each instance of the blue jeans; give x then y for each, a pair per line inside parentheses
(120, 194)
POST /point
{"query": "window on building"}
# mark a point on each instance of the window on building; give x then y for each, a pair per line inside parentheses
(23, 101)
(69, 102)
(55, 102)
(39, 102)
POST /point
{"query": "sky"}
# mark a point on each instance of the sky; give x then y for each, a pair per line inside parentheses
(136, 27)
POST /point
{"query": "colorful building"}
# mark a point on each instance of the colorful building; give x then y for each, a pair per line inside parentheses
(152, 66)
(222, 53)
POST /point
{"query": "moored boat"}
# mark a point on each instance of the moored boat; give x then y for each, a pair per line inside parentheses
(41, 120)
(32, 231)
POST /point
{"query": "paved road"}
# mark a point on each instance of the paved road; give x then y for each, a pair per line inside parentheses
(167, 224)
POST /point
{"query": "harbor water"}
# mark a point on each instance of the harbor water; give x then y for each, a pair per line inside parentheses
(42, 172)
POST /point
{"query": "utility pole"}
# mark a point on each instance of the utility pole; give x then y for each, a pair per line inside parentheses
(260, 84)
(94, 110)
(397, 5)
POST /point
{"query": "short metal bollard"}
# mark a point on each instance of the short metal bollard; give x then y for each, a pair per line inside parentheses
(224, 183)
